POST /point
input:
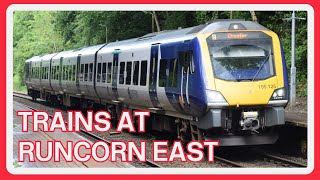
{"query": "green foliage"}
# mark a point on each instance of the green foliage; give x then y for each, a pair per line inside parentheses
(16, 164)
(40, 32)
(33, 34)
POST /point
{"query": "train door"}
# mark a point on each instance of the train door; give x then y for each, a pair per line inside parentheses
(154, 76)
(187, 68)
(115, 75)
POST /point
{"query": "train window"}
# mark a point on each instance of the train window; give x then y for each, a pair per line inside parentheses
(128, 72)
(86, 72)
(163, 73)
(66, 72)
(99, 72)
(121, 74)
(135, 72)
(90, 71)
(143, 75)
(63, 73)
(43, 72)
(173, 73)
(58, 72)
(104, 71)
(46, 72)
(109, 72)
(54, 75)
(81, 75)
(74, 72)
(69, 73)
(41, 75)
(53, 72)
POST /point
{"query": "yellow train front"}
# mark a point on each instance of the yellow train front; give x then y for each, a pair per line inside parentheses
(246, 84)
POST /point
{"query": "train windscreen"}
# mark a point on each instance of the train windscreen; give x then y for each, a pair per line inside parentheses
(241, 56)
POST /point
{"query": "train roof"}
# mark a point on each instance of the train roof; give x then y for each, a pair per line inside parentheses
(162, 36)
(41, 57)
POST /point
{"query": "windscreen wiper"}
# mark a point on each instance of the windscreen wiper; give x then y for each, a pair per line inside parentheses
(264, 61)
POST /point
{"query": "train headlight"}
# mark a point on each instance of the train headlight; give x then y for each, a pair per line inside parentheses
(279, 97)
(279, 94)
(215, 99)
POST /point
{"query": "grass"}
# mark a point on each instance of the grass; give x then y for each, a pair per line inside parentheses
(16, 164)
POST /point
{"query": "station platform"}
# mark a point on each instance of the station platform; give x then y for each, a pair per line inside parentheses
(56, 135)
(296, 119)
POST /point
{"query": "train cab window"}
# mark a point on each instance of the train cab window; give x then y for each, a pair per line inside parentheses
(86, 72)
(128, 72)
(109, 72)
(163, 73)
(121, 73)
(135, 72)
(99, 73)
(173, 73)
(143, 75)
(104, 71)
(90, 71)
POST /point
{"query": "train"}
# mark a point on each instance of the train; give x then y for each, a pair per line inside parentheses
(224, 80)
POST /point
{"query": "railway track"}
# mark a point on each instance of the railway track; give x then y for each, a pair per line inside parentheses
(93, 137)
(280, 160)
(219, 159)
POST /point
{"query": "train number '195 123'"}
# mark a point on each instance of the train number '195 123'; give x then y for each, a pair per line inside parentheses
(267, 86)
